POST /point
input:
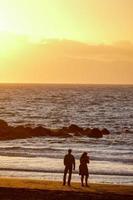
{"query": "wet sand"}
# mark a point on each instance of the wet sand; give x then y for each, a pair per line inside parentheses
(29, 189)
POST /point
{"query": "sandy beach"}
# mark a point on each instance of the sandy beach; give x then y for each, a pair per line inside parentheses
(29, 189)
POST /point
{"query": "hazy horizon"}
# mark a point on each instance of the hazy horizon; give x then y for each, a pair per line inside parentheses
(52, 83)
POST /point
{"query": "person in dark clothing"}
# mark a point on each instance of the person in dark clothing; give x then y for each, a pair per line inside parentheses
(83, 168)
(69, 162)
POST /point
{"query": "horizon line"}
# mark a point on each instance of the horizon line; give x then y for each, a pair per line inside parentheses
(52, 83)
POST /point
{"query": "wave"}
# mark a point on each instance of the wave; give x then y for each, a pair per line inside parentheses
(110, 173)
(113, 159)
(49, 153)
(27, 148)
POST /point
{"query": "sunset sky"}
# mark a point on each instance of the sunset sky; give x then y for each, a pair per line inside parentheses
(66, 41)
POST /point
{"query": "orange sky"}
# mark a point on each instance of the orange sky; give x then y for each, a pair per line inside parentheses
(103, 30)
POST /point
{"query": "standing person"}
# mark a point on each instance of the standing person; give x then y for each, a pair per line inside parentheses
(83, 168)
(69, 162)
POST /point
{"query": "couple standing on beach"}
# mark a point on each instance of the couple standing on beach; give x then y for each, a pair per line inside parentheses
(69, 162)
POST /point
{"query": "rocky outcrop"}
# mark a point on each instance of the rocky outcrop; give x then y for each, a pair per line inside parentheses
(86, 131)
(40, 131)
(95, 133)
(10, 132)
(75, 129)
(3, 124)
(105, 131)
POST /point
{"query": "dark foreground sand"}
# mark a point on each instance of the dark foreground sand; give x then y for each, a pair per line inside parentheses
(28, 189)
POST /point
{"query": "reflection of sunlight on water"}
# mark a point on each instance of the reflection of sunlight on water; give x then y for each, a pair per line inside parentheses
(94, 106)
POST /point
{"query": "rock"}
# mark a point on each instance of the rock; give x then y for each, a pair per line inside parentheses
(3, 124)
(86, 131)
(77, 134)
(75, 129)
(19, 132)
(22, 131)
(105, 131)
(63, 132)
(41, 131)
(95, 133)
(4, 129)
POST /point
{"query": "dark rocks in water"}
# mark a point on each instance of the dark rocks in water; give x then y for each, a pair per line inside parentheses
(3, 124)
(15, 132)
(92, 133)
(71, 130)
(10, 132)
(59, 133)
(86, 131)
(105, 131)
(95, 133)
(74, 129)
(63, 132)
(40, 131)
(5, 130)
(21, 131)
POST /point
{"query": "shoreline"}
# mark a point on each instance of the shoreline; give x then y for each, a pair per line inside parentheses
(20, 188)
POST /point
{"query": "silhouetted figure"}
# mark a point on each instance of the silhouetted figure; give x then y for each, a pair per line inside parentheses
(83, 168)
(69, 162)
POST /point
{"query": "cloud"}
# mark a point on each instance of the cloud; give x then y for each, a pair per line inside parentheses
(122, 51)
(70, 61)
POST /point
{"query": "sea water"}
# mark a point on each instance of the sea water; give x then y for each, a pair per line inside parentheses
(55, 106)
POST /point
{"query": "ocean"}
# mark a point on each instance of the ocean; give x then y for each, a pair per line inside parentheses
(55, 106)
